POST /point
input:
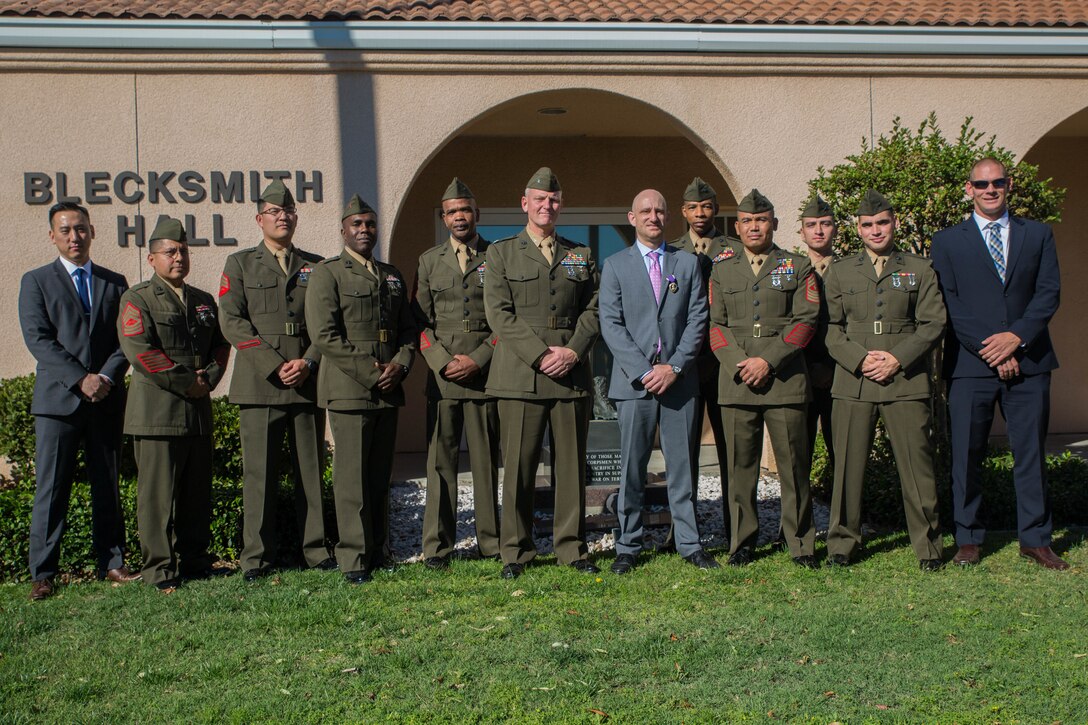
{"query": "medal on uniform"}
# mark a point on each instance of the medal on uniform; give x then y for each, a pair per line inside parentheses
(480, 271)
(204, 315)
(304, 274)
(776, 280)
(897, 280)
(723, 255)
(393, 282)
(673, 287)
(911, 279)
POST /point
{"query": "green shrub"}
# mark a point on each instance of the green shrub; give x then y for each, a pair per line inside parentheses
(77, 552)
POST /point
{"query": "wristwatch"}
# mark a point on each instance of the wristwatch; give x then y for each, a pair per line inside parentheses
(677, 370)
(311, 364)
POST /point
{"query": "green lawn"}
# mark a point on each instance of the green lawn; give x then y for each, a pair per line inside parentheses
(1004, 642)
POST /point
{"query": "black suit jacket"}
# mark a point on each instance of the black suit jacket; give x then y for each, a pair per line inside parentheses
(979, 305)
(69, 344)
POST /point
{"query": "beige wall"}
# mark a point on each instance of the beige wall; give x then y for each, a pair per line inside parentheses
(390, 128)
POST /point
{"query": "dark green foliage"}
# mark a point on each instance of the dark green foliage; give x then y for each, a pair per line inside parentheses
(923, 174)
(77, 553)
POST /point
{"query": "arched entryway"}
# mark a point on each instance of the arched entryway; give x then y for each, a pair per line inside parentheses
(604, 147)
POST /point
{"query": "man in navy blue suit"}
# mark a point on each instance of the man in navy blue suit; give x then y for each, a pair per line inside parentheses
(999, 275)
(68, 313)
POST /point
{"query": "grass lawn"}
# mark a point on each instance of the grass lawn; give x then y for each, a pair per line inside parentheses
(1006, 642)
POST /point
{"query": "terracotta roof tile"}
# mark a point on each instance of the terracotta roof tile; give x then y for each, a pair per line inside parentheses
(1056, 13)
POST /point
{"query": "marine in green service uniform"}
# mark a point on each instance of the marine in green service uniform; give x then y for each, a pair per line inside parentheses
(358, 316)
(703, 239)
(764, 307)
(262, 302)
(456, 342)
(885, 316)
(540, 292)
(169, 332)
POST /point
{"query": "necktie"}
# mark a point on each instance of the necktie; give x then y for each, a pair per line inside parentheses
(370, 267)
(993, 243)
(655, 282)
(81, 287)
(702, 246)
(281, 257)
(463, 256)
(546, 249)
(757, 262)
(878, 265)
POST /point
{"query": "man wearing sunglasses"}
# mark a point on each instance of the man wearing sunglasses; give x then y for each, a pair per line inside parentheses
(262, 300)
(999, 275)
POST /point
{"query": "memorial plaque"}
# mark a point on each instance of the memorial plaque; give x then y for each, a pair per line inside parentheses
(603, 453)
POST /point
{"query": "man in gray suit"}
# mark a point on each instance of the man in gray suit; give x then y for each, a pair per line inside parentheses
(653, 313)
(67, 311)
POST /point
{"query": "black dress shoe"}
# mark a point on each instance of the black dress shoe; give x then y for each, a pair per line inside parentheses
(808, 561)
(930, 564)
(838, 560)
(361, 576)
(742, 557)
(624, 564)
(252, 575)
(702, 560)
(383, 564)
(168, 586)
(328, 564)
(437, 563)
(512, 571)
(585, 566)
(208, 572)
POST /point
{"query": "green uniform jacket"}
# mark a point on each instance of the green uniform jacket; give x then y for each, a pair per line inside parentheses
(348, 313)
(816, 352)
(718, 244)
(902, 313)
(532, 306)
(780, 304)
(449, 310)
(262, 314)
(166, 345)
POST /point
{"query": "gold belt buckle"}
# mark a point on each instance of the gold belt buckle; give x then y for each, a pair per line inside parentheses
(757, 330)
(291, 328)
(383, 336)
(878, 327)
(466, 325)
(553, 323)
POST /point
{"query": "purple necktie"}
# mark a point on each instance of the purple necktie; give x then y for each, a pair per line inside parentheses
(655, 275)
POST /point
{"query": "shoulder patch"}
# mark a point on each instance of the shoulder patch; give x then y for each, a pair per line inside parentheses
(155, 361)
(224, 284)
(132, 320)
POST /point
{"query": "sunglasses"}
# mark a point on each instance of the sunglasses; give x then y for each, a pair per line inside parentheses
(981, 184)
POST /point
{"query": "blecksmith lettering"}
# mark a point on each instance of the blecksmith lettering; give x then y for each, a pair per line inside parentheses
(169, 187)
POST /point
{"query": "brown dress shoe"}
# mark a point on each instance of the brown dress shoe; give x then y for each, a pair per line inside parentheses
(120, 575)
(41, 589)
(967, 555)
(1043, 556)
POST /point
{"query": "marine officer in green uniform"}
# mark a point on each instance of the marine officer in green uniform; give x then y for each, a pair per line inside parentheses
(262, 302)
(702, 238)
(818, 232)
(885, 316)
(169, 332)
(456, 342)
(764, 307)
(358, 316)
(540, 292)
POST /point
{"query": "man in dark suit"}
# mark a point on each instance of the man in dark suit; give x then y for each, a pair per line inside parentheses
(999, 275)
(653, 314)
(67, 311)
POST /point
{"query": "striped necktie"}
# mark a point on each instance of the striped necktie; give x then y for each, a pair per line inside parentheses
(993, 243)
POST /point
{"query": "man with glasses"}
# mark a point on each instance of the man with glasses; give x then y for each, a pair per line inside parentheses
(67, 311)
(262, 304)
(999, 275)
(170, 334)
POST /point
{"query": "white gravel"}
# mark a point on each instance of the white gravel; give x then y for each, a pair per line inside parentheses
(406, 520)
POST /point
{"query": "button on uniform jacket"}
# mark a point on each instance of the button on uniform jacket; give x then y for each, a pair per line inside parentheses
(262, 313)
(901, 312)
(531, 306)
(783, 300)
(449, 309)
(166, 344)
(347, 310)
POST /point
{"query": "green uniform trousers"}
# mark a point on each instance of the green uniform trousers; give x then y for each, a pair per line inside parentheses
(362, 466)
(853, 423)
(522, 423)
(479, 421)
(787, 425)
(174, 505)
(262, 431)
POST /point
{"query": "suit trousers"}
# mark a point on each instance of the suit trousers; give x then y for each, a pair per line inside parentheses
(174, 505)
(262, 431)
(57, 441)
(639, 419)
(521, 425)
(1025, 405)
(478, 420)
(789, 439)
(908, 424)
(362, 468)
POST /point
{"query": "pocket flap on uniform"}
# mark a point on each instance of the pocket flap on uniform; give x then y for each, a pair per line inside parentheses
(358, 292)
(523, 275)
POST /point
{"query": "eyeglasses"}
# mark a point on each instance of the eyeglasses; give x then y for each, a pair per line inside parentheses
(276, 213)
(174, 253)
(982, 184)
